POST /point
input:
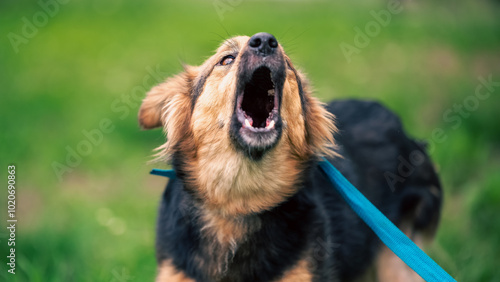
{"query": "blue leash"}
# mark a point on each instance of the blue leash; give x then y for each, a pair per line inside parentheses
(392, 237)
(170, 173)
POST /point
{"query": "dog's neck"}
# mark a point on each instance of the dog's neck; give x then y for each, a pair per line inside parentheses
(224, 239)
(230, 184)
(230, 192)
(222, 236)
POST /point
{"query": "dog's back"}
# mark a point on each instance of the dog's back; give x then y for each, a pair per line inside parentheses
(387, 165)
(392, 171)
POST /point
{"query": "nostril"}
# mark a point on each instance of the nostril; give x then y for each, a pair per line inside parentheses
(255, 42)
(273, 43)
(263, 44)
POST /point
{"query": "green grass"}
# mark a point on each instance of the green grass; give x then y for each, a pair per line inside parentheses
(97, 224)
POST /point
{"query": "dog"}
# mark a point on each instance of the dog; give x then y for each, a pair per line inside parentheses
(249, 202)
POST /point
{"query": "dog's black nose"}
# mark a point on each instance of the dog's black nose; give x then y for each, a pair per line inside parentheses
(263, 43)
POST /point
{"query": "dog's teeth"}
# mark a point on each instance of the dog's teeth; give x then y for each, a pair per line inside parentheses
(247, 123)
(271, 125)
(270, 92)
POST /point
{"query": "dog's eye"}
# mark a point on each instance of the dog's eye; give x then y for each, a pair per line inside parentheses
(227, 60)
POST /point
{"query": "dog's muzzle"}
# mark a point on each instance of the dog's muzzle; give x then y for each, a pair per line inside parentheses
(256, 124)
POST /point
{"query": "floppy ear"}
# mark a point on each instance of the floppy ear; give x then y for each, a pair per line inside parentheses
(320, 127)
(169, 105)
(320, 123)
(155, 106)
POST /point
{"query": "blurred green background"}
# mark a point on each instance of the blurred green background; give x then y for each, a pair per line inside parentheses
(89, 62)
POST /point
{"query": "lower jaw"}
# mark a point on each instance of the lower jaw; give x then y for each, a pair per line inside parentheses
(256, 145)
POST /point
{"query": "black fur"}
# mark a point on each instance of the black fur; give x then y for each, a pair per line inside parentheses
(198, 86)
(341, 246)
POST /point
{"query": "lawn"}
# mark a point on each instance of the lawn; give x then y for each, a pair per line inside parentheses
(73, 74)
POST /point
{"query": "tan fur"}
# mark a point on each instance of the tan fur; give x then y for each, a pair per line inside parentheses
(390, 267)
(153, 108)
(228, 232)
(299, 273)
(320, 127)
(221, 237)
(168, 273)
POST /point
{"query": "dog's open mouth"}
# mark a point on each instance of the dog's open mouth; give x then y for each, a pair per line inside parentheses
(257, 107)
(256, 125)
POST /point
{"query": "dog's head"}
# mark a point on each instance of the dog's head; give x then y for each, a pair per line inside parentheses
(243, 118)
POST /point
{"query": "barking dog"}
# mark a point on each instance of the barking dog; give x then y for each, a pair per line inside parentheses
(249, 202)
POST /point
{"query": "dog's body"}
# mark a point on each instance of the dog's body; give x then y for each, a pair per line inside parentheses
(250, 203)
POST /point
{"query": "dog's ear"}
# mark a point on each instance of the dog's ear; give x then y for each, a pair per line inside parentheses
(320, 128)
(166, 97)
(320, 123)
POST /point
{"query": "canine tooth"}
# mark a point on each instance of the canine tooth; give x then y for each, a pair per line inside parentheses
(271, 124)
(247, 123)
(270, 92)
